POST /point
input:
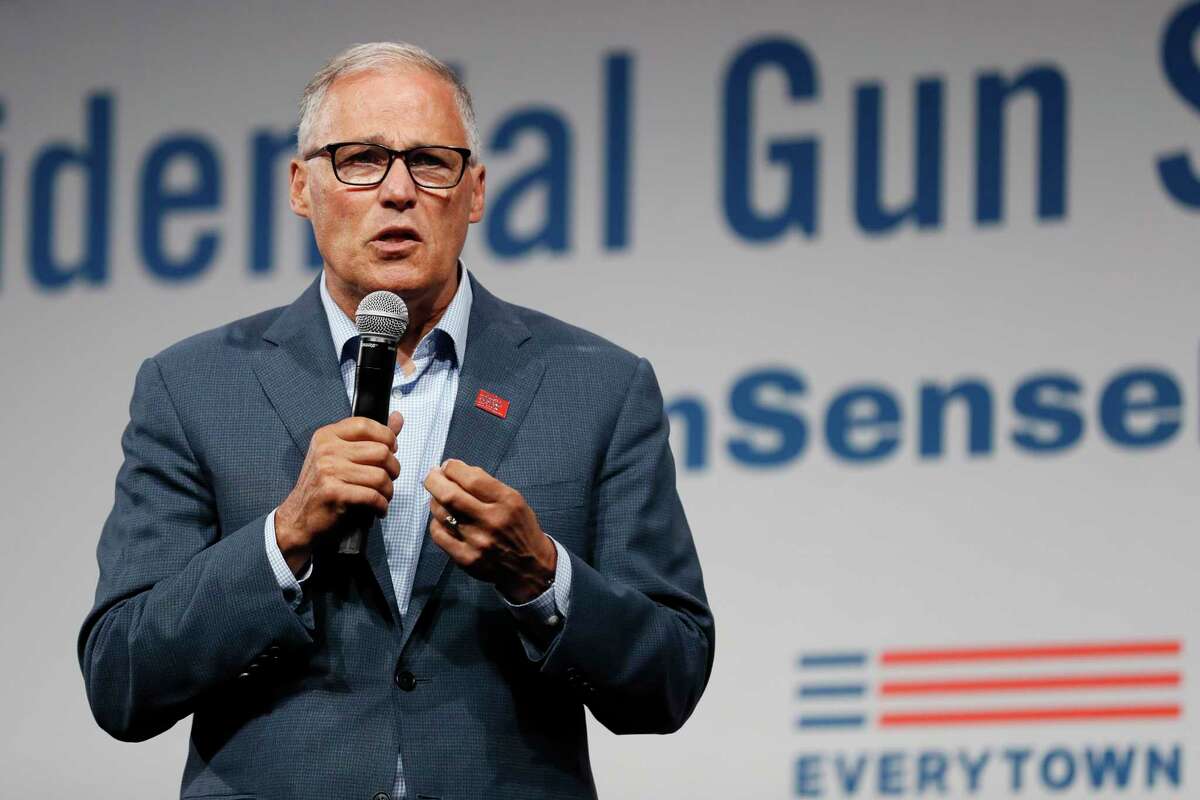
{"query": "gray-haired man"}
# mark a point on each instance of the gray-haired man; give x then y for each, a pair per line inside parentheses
(532, 556)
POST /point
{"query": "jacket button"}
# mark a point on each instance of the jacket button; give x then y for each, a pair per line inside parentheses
(381, 796)
(405, 680)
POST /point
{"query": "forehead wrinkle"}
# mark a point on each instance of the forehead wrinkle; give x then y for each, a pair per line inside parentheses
(377, 138)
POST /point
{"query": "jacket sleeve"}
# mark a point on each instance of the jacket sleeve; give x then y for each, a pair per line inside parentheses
(638, 643)
(181, 606)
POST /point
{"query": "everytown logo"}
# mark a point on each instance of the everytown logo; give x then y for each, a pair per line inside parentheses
(1055, 687)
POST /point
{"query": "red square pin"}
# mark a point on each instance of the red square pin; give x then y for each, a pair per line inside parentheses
(492, 403)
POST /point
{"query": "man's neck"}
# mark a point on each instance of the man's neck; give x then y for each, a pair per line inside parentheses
(424, 312)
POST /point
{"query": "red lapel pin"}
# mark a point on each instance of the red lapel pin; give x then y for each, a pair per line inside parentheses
(492, 403)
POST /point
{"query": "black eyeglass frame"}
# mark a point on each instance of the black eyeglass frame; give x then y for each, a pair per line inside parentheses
(331, 151)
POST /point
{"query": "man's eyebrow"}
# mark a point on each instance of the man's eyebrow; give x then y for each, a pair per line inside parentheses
(375, 138)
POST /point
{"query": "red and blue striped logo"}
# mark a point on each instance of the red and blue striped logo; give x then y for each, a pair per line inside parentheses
(1033, 683)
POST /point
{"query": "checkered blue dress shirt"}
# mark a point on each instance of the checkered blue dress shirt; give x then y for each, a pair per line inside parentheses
(426, 399)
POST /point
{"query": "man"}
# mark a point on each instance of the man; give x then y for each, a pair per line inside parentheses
(531, 557)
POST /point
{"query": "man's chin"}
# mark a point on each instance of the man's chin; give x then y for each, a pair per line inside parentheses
(411, 279)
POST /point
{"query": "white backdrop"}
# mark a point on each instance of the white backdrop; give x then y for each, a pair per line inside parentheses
(1091, 541)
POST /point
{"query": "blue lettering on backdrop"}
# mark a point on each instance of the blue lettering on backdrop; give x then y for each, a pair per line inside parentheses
(1016, 758)
(1058, 769)
(798, 156)
(1169, 767)
(978, 399)
(618, 155)
(266, 147)
(94, 160)
(850, 775)
(963, 773)
(746, 406)
(992, 95)
(973, 768)
(862, 410)
(925, 207)
(795, 156)
(1105, 763)
(891, 773)
(551, 175)
(931, 772)
(1050, 421)
(159, 201)
(808, 776)
(1138, 408)
(1179, 64)
(89, 161)
(1141, 408)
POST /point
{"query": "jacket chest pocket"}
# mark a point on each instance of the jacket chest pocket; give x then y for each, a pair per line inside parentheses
(555, 495)
(562, 508)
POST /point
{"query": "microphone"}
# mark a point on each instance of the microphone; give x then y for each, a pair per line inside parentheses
(382, 319)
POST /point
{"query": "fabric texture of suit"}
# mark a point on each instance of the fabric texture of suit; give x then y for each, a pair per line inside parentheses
(189, 618)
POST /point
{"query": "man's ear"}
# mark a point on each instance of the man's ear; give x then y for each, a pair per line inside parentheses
(298, 188)
(478, 192)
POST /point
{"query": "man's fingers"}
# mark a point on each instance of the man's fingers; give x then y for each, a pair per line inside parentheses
(358, 495)
(453, 496)
(376, 453)
(376, 478)
(439, 512)
(459, 551)
(466, 530)
(373, 454)
(361, 429)
(395, 423)
(392, 466)
(475, 480)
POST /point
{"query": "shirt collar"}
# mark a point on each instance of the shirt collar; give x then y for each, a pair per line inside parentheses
(453, 323)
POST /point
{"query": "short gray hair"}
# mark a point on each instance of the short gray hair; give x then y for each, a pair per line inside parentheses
(376, 55)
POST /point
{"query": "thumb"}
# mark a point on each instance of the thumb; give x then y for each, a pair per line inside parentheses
(395, 422)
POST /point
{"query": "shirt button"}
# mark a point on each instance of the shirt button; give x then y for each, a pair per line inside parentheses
(552, 620)
(381, 796)
(405, 680)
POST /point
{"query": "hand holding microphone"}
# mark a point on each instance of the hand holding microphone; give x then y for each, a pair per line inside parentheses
(346, 479)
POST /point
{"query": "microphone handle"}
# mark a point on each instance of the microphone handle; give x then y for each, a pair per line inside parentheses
(372, 395)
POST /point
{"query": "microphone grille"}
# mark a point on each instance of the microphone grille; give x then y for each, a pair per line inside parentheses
(382, 314)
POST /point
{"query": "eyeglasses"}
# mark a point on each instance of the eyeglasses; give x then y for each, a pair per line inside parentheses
(365, 164)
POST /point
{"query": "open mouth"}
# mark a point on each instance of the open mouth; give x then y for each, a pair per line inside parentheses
(395, 235)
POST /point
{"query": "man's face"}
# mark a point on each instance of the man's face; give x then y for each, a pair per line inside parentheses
(397, 235)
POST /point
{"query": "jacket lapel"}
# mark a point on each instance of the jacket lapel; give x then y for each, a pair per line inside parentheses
(495, 362)
(303, 381)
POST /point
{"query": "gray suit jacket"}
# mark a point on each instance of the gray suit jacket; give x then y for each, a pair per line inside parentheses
(189, 618)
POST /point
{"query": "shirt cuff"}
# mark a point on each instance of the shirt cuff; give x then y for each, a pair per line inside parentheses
(546, 612)
(292, 591)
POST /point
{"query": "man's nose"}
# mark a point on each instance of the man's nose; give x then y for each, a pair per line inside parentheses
(398, 189)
